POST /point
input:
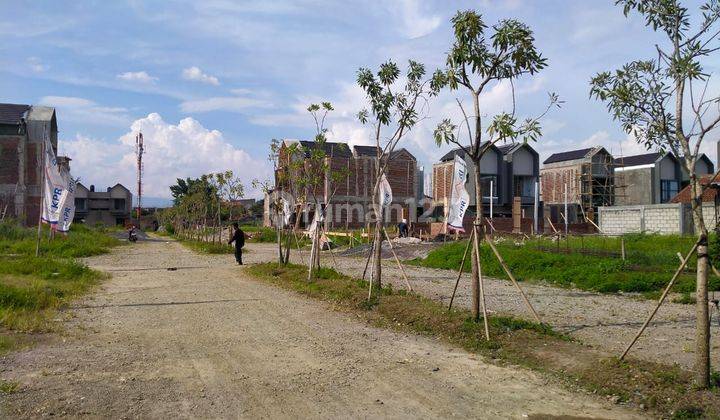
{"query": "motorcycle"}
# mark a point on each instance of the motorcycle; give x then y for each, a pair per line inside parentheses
(132, 236)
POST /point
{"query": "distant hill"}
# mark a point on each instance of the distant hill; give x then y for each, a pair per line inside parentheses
(154, 202)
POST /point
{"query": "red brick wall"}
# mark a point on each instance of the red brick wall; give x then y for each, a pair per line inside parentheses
(552, 181)
(9, 159)
(442, 178)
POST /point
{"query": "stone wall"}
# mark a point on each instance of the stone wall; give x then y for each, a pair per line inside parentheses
(675, 218)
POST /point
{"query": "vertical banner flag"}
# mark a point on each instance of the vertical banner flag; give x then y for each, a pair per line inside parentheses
(54, 190)
(67, 206)
(385, 192)
(459, 197)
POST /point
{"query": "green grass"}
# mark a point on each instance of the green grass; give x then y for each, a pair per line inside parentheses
(208, 247)
(666, 390)
(8, 387)
(33, 288)
(650, 264)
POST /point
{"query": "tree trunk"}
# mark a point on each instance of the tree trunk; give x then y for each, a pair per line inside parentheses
(279, 244)
(475, 279)
(702, 322)
(377, 269)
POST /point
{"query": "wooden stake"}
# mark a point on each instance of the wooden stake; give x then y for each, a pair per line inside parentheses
(397, 260)
(462, 264)
(512, 278)
(551, 224)
(662, 299)
(622, 247)
(367, 261)
(482, 288)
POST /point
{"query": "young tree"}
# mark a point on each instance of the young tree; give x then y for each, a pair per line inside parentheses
(665, 103)
(477, 62)
(394, 110)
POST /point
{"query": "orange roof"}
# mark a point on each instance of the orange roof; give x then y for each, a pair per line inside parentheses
(685, 195)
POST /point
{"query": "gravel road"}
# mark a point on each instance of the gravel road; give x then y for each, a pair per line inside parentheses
(206, 341)
(606, 322)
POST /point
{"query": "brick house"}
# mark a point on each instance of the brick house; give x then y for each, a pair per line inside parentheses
(351, 196)
(22, 131)
(589, 176)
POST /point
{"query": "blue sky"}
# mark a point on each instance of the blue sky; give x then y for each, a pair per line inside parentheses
(210, 83)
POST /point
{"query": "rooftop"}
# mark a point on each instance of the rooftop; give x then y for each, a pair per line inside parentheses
(12, 113)
(569, 155)
(637, 160)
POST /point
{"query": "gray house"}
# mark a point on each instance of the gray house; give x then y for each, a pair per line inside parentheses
(703, 166)
(649, 178)
(111, 207)
(521, 167)
(511, 169)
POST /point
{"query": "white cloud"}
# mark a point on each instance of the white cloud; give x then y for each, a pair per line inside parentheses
(83, 110)
(36, 65)
(137, 76)
(415, 23)
(196, 75)
(240, 103)
(186, 149)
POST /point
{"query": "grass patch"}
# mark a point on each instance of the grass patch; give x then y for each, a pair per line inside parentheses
(664, 389)
(532, 260)
(33, 288)
(8, 387)
(209, 247)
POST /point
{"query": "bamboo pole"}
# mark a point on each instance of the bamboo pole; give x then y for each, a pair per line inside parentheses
(397, 260)
(661, 300)
(367, 261)
(42, 196)
(512, 278)
(482, 288)
(462, 264)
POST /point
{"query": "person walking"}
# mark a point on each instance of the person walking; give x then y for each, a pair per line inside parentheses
(403, 228)
(239, 239)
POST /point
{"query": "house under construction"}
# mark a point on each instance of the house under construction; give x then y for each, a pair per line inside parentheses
(584, 179)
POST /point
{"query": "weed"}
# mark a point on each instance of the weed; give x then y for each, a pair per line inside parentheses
(8, 387)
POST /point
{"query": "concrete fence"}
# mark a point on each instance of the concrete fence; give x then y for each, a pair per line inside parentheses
(666, 219)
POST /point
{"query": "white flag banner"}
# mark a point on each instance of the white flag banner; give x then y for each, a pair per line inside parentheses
(385, 192)
(459, 197)
(55, 188)
(317, 219)
(287, 212)
(67, 205)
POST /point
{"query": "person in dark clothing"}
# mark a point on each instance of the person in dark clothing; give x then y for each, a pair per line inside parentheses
(403, 228)
(239, 239)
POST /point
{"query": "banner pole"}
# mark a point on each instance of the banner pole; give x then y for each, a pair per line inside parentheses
(42, 196)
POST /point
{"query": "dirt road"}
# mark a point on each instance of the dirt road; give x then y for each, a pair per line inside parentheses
(205, 340)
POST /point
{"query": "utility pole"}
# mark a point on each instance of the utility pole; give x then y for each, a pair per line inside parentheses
(139, 150)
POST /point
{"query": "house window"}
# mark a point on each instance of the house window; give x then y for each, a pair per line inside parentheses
(81, 204)
(524, 186)
(668, 189)
(119, 204)
(485, 185)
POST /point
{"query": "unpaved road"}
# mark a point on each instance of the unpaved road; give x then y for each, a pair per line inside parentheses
(205, 341)
(604, 321)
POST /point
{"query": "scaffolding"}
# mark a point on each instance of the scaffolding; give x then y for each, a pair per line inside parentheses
(600, 184)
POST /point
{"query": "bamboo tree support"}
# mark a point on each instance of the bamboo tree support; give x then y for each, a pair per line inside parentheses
(551, 225)
(622, 247)
(512, 277)
(367, 261)
(482, 287)
(462, 265)
(332, 254)
(297, 242)
(397, 260)
(373, 263)
(661, 300)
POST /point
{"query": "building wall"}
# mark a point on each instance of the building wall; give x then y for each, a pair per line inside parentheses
(674, 218)
(638, 187)
(553, 180)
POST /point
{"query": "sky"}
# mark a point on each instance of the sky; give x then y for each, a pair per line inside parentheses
(210, 83)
